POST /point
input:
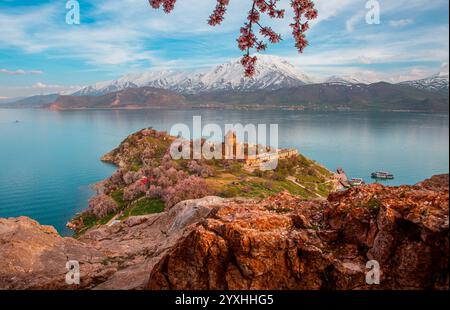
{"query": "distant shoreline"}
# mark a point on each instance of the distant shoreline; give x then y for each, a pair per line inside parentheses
(245, 108)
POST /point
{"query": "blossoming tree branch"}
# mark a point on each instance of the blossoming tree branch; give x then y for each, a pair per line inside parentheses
(249, 40)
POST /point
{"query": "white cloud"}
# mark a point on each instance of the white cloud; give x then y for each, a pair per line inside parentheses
(118, 36)
(401, 22)
(54, 88)
(373, 76)
(127, 35)
(39, 85)
(38, 88)
(395, 48)
(20, 72)
(389, 7)
(352, 21)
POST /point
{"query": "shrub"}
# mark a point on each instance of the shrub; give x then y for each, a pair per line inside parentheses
(155, 191)
(102, 205)
(192, 187)
(136, 190)
(131, 177)
(200, 170)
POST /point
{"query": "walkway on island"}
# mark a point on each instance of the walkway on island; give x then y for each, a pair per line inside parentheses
(293, 180)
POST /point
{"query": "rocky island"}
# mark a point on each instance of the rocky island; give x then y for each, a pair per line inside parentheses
(148, 180)
(159, 223)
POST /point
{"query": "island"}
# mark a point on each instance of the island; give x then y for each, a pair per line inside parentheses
(159, 223)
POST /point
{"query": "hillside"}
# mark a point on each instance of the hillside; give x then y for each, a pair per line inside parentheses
(276, 84)
(147, 178)
(323, 97)
(436, 83)
(332, 96)
(33, 102)
(146, 97)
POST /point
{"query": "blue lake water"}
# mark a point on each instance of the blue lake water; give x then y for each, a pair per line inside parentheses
(49, 159)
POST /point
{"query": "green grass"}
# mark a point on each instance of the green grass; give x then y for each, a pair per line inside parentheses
(118, 198)
(141, 207)
(135, 166)
(323, 189)
(294, 189)
(305, 178)
(261, 184)
(106, 219)
(144, 206)
(261, 188)
(90, 221)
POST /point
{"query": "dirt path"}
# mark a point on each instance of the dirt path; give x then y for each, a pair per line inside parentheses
(115, 217)
(293, 180)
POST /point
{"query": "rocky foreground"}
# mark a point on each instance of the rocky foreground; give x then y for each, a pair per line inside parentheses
(281, 242)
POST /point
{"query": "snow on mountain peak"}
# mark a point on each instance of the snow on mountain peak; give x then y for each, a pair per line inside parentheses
(437, 82)
(346, 80)
(444, 71)
(272, 72)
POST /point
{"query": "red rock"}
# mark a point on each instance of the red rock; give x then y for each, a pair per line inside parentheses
(282, 242)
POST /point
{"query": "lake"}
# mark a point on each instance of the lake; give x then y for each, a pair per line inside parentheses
(49, 159)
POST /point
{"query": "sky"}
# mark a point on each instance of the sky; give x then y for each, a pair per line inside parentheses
(40, 53)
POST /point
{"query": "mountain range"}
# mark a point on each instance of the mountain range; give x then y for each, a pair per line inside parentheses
(31, 102)
(276, 83)
(326, 97)
(437, 82)
(128, 98)
(272, 73)
(380, 96)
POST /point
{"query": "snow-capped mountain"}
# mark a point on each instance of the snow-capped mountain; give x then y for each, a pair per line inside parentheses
(346, 80)
(272, 73)
(437, 82)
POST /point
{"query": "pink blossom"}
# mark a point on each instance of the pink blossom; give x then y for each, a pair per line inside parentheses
(304, 11)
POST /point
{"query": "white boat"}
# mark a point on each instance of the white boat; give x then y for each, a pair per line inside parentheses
(382, 175)
(357, 182)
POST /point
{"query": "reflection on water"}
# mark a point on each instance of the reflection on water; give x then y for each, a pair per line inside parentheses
(49, 159)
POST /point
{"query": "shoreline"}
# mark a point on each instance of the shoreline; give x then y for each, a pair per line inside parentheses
(236, 108)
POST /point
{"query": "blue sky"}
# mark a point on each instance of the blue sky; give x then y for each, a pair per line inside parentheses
(40, 53)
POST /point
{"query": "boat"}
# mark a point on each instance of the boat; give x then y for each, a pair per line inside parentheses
(382, 175)
(357, 182)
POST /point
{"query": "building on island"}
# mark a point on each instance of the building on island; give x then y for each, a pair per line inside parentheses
(253, 155)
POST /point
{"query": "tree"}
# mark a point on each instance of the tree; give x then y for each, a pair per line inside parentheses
(304, 11)
(192, 187)
(102, 205)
